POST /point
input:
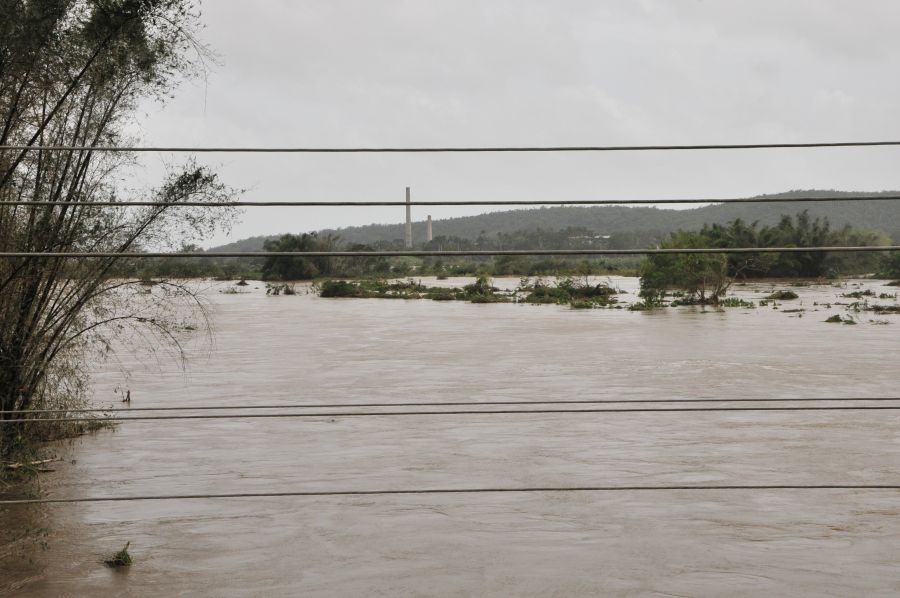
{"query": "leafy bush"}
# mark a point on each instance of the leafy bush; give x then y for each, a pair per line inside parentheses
(340, 288)
(735, 302)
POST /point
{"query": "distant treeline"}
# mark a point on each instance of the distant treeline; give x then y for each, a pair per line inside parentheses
(616, 220)
(299, 268)
(798, 231)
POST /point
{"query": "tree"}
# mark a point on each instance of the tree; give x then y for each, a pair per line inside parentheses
(298, 268)
(703, 276)
(705, 280)
(891, 265)
(72, 73)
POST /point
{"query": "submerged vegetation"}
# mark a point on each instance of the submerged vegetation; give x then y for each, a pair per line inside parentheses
(564, 291)
(706, 277)
(588, 293)
(783, 296)
(120, 559)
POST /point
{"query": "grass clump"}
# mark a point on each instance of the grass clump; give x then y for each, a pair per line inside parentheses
(542, 293)
(479, 291)
(644, 306)
(482, 291)
(120, 559)
(582, 305)
(783, 296)
(340, 288)
(436, 294)
(859, 294)
(568, 291)
(836, 319)
(735, 302)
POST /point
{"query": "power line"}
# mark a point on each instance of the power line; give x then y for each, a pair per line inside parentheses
(425, 491)
(536, 202)
(447, 404)
(460, 149)
(145, 418)
(429, 253)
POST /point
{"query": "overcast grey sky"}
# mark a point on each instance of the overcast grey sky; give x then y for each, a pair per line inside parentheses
(514, 72)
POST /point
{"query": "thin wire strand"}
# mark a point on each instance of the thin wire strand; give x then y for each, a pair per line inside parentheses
(424, 491)
(447, 404)
(146, 418)
(537, 202)
(428, 253)
(419, 150)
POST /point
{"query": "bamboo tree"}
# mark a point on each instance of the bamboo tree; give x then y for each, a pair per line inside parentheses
(72, 72)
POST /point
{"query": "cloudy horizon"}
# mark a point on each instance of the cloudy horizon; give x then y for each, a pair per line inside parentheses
(404, 73)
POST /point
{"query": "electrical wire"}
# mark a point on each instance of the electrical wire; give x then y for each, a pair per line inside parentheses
(536, 202)
(461, 149)
(446, 404)
(146, 418)
(426, 491)
(441, 253)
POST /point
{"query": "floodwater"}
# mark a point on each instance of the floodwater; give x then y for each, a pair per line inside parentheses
(303, 349)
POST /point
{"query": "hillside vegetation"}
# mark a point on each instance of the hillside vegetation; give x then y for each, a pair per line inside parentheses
(630, 227)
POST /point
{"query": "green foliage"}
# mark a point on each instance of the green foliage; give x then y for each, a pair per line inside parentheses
(121, 558)
(735, 302)
(578, 293)
(298, 268)
(702, 276)
(75, 73)
(567, 291)
(340, 288)
(380, 289)
(481, 286)
(891, 266)
(705, 278)
(545, 293)
(859, 294)
(582, 305)
(783, 296)
(799, 231)
(482, 291)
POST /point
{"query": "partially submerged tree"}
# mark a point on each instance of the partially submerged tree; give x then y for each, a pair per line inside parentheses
(72, 73)
(706, 277)
(703, 276)
(299, 268)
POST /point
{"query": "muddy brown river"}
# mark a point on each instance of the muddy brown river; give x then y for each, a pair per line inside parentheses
(303, 349)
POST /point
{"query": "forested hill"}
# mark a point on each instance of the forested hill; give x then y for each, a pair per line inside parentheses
(607, 220)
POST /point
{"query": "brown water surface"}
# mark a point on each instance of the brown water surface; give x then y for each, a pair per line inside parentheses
(303, 349)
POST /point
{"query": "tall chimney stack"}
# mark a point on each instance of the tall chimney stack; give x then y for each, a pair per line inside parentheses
(408, 239)
(429, 236)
